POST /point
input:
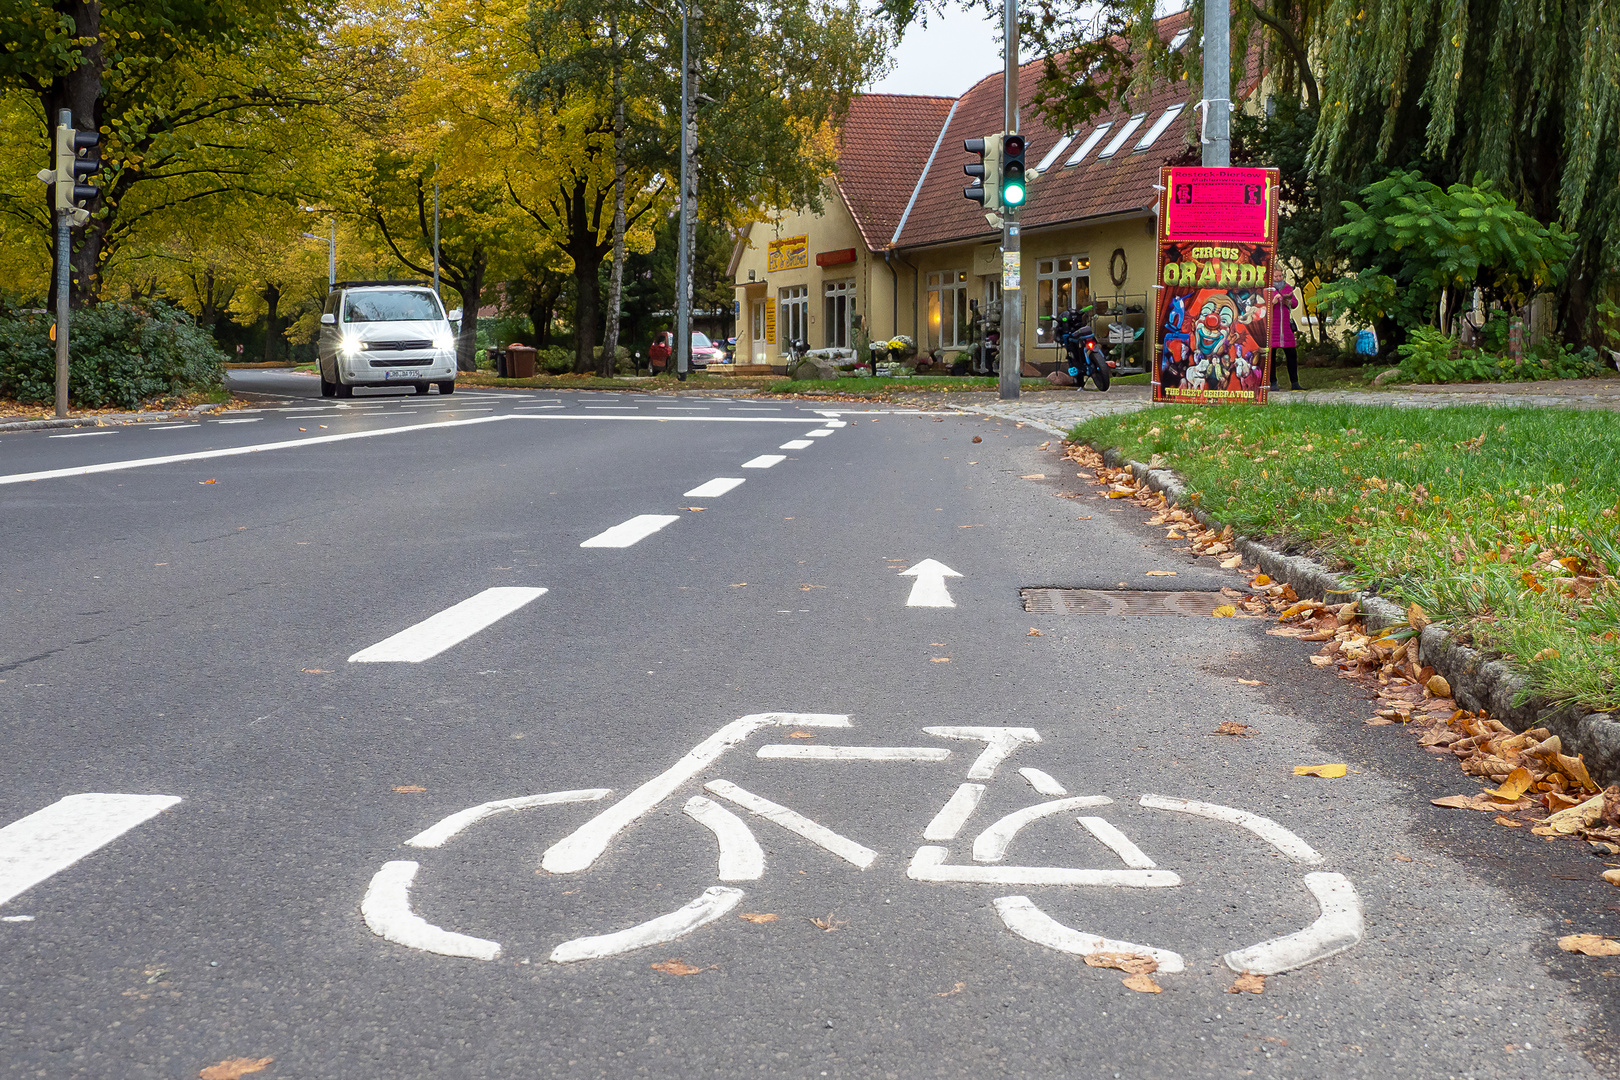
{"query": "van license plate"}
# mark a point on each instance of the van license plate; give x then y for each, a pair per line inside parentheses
(398, 374)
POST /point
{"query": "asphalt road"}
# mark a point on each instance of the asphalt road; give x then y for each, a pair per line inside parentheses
(182, 609)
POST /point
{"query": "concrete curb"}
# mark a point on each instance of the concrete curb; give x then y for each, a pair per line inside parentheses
(1476, 683)
(107, 420)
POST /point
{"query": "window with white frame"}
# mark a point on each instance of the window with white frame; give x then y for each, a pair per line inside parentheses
(759, 322)
(793, 324)
(840, 310)
(1061, 284)
(947, 309)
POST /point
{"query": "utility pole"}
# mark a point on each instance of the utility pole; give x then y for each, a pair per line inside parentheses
(683, 259)
(435, 232)
(1012, 295)
(1217, 134)
(64, 282)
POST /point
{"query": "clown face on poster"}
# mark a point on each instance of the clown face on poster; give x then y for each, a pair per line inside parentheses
(1217, 256)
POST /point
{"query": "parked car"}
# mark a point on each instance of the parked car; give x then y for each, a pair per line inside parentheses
(706, 352)
(385, 333)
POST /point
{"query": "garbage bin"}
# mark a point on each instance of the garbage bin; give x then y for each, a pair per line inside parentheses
(497, 357)
(520, 361)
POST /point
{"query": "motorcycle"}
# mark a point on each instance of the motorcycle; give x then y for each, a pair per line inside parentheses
(1084, 356)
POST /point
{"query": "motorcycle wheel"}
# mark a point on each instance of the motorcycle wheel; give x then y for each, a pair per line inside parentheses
(1099, 375)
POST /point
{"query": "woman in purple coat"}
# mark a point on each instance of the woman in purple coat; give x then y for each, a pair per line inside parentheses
(1283, 302)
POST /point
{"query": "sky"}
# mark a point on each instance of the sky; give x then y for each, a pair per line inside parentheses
(956, 50)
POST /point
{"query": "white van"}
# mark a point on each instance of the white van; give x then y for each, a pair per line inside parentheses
(385, 333)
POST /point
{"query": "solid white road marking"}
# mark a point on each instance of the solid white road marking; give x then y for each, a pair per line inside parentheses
(929, 588)
(1133, 856)
(929, 865)
(999, 742)
(239, 420)
(436, 835)
(819, 432)
(1335, 930)
(714, 902)
(764, 461)
(80, 434)
(741, 858)
(1029, 922)
(991, 845)
(630, 532)
(453, 625)
(853, 753)
(1263, 827)
(582, 847)
(1043, 782)
(954, 814)
(820, 835)
(53, 839)
(387, 911)
(16, 918)
(172, 427)
(715, 488)
(796, 444)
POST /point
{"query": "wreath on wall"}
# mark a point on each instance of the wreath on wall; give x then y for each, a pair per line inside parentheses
(1117, 276)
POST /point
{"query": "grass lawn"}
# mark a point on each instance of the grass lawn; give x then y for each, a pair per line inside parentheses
(1503, 522)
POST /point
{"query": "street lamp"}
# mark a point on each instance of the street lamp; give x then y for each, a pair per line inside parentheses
(331, 248)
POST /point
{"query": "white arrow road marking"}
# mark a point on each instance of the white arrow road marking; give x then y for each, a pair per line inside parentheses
(954, 814)
(1335, 930)
(387, 910)
(1043, 783)
(1263, 827)
(929, 588)
(820, 835)
(929, 865)
(1121, 845)
(49, 841)
(741, 858)
(714, 902)
(715, 488)
(999, 742)
(764, 461)
(853, 753)
(630, 532)
(453, 625)
(435, 835)
(991, 845)
(582, 847)
(796, 444)
(1032, 924)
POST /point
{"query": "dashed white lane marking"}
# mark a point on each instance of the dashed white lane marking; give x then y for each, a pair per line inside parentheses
(1338, 928)
(462, 410)
(1029, 922)
(833, 423)
(1043, 782)
(741, 858)
(929, 865)
(954, 814)
(1131, 855)
(387, 911)
(682, 408)
(582, 847)
(1263, 827)
(999, 742)
(991, 845)
(630, 532)
(714, 902)
(796, 444)
(764, 461)
(819, 433)
(16, 918)
(436, 835)
(853, 753)
(713, 489)
(174, 427)
(820, 835)
(453, 625)
(929, 589)
(239, 420)
(80, 434)
(613, 406)
(53, 839)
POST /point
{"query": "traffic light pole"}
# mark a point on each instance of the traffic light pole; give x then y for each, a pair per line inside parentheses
(64, 277)
(1012, 294)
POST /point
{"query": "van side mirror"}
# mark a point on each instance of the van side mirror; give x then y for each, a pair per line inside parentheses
(454, 315)
(328, 319)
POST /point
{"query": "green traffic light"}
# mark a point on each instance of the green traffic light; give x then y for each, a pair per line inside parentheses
(1013, 195)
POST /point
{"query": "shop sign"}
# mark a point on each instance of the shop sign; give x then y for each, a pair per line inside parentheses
(788, 253)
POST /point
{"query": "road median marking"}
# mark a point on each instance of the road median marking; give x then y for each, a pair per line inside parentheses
(630, 532)
(49, 841)
(453, 625)
(713, 489)
(764, 461)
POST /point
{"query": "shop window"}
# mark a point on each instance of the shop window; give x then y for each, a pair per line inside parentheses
(1061, 284)
(947, 309)
(840, 310)
(794, 321)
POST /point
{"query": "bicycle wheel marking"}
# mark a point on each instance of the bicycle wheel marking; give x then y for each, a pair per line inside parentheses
(954, 814)
(435, 835)
(741, 858)
(823, 837)
(1029, 922)
(1118, 842)
(929, 865)
(999, 742)
(715, 902)
(1263, 827)
(789, 752)
(387, 911)
(1339, 927)
(1042, 782)
(991, 845)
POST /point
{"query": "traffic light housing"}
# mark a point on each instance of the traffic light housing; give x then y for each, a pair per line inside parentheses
(1013, 187)
(986, 186)
(75, 161)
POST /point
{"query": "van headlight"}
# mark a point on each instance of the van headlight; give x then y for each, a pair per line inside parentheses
(443, 342)
(351, 346)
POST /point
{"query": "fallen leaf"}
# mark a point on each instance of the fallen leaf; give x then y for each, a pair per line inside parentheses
(1225, 611)
(1142, 984)
(1508, 822)
(1480, 802)
(1173, 535)
(1034, 633)
(953, 991)
(1257, 581)
(801, 735)
(975, 438)
(675, 967)
(1161, 573)
(1252, 682)
(1438, 686)
(1589, 945)
(939, 659)
(1517, 783)
(303, 429)
(1033, 476)
(1233, 563)
(233, 1068)
(1321, 661)
(1130, 963)
(316, 671)
(759, 916)
(1232, 727)
(1116, 494)
(936, 644)
(1248, 982)
(1416, 617)
(697, 508)
(1399, 857)
(409, 789)
(1612, 876)
(1327, 772)
(215, 482)
(829, 924)
(737, 585)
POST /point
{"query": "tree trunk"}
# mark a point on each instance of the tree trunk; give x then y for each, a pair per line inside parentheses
(587, 305)
(610, 340)
(471, 289)
(79, 92)
(272, 300)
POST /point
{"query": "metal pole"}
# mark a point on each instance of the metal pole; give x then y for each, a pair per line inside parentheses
(1012, 295)
(64, 283)
(683, 258)
(435, 236)
(1217, 135)
(331, 258)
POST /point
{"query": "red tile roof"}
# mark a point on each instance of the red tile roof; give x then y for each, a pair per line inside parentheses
(885, 142)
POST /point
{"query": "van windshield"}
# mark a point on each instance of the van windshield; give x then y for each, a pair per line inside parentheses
(701, 341)
(391, 307)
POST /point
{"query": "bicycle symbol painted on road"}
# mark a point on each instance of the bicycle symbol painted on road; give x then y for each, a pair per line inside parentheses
(387, 911)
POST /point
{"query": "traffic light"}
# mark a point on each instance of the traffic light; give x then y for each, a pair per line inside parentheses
(1013, 188)
(985, 189)
(75, 160)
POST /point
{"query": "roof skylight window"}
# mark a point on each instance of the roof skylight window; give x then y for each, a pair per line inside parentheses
(1158, 127)
(1180, 39)
(1091, 140)
(1052, 154)
(1124, 133)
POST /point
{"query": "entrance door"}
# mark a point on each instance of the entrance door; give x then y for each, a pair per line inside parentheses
(758, 324)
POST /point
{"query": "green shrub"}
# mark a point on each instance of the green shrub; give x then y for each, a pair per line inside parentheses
(555, 360)
(1427, 358)
(120, 356)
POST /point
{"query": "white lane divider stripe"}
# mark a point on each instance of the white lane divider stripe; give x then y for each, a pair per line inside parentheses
(453, 625)
(80, 434)
(630, 532)
(853, 753)
(999, 742)
(387, 911)
(1029, 922)
(715, 902)
(764, 461)
(820, 835)
(796, 444)
(819, 433)
(991, 845)
(1043, 782)
(1263, 827)
(1338, 928)
(715, 488)
(954, 814)
(1131, 855)
(435, 835)
(929, 865)
(49, 841)
(741, 858)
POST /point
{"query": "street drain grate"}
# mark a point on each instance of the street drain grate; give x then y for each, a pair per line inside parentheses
(1120, 602)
